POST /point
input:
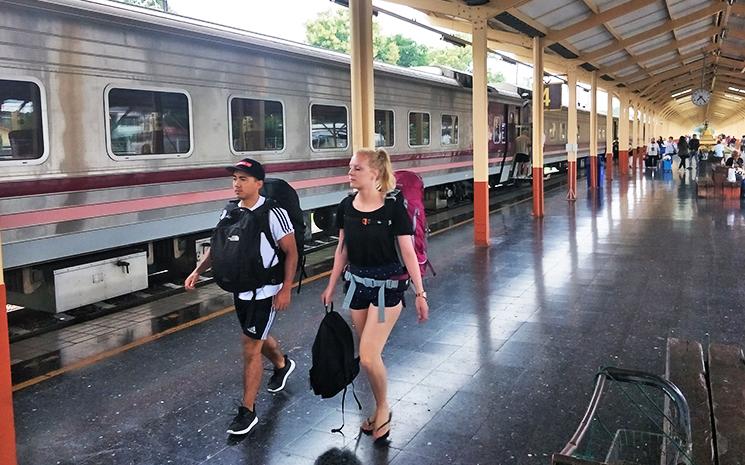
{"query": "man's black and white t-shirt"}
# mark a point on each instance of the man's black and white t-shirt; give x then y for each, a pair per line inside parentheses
(280, 226)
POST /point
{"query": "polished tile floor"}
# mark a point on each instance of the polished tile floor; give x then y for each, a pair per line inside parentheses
(501, 373)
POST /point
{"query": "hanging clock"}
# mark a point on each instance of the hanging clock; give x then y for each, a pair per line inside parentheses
(700, 97)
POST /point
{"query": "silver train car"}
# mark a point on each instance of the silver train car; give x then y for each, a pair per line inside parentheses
(116, 124)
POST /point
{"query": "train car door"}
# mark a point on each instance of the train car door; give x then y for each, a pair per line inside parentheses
(512, 118)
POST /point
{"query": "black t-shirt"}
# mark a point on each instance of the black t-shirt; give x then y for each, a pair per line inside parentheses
(371, 236)
(731, 162)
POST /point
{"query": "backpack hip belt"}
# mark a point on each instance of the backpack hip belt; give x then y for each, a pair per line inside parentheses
(381, 284)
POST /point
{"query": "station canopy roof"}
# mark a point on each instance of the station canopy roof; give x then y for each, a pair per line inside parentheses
(660, 51)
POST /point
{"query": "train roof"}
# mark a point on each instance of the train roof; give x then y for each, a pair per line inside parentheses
(107, 9)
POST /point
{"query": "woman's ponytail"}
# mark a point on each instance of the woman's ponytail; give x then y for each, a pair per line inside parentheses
(381, 162)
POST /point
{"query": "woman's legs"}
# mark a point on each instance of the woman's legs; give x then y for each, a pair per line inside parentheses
(373, 336)
(682, 163)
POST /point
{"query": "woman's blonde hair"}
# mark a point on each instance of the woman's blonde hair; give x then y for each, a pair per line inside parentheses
(380, 160)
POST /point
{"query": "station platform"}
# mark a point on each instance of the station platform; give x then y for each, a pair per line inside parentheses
(501, 373)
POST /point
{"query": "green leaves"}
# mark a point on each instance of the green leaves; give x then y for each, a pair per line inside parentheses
(331, 31)
(154, 4)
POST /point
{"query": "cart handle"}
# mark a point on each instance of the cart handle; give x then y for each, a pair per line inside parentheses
(635, 377)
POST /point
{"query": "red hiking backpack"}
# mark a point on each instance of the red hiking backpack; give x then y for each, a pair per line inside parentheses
(412, 187)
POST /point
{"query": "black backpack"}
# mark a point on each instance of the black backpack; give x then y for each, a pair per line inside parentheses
(334, 364)
(235, 249)
(286, 197)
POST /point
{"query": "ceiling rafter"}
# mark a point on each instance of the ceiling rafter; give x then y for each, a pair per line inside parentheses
(639, 81)
(723, 24)
(611, 31)
(596, 20)
(659, 77)
(647, 35)
(613, 69)
(674, 31)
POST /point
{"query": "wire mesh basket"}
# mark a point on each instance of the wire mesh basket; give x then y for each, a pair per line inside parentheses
(631, 446)
(634, 418)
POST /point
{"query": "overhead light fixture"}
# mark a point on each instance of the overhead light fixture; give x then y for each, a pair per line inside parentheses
(457, 41)
(682, 92)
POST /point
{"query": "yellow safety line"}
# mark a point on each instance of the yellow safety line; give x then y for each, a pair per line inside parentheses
(153, 337)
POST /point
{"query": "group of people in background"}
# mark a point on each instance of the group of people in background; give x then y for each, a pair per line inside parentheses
(726, 150)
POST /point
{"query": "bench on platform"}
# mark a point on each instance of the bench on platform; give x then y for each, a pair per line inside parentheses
(717, 185)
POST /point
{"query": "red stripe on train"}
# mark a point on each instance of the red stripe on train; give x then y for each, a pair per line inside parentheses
(81, 212)
(82, 183)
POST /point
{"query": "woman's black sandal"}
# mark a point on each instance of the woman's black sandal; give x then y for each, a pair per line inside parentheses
(367, 431)
(383, 438)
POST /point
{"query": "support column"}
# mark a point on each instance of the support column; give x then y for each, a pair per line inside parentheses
(609, 138)
(480, 136)
(572, 134)
(538, 127)
(7, 425)
(643, 137)
(363, 96)
(635, 135)
(594, 130)
(623, 135)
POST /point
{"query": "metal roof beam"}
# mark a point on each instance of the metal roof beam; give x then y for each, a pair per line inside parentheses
(626, 63)
(655, 78)
(434, 6)
(492, 9)
(738, 9)
(647, 35)
(465, 27)
(596, 20)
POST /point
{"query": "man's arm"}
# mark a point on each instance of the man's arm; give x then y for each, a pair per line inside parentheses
(287, 244)
(202, 266)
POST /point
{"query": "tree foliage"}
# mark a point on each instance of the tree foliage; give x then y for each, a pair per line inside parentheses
(453, 57)
(331, 30)
(154, 4)
(410, 52)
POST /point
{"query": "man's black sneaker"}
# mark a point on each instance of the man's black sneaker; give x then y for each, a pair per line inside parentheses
(279, 377)
(243, 422)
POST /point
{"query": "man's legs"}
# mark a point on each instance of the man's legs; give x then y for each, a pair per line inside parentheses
(270, 350)
(252, 369)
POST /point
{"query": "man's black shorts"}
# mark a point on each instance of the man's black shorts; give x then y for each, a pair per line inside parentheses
(522, 158)
(255, 316)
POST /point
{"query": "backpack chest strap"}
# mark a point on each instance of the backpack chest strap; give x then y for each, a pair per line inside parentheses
(381, 284)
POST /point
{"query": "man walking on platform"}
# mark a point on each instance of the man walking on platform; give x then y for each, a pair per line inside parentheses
(256, 308)
(693, 147)
(522, 156)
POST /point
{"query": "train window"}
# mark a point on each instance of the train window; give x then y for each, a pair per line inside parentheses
(21, 130)
(328, 127)
(563, 131)
(449, 130)
(148, 123)
(418, 128)
(384, 128)
(257, 125)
